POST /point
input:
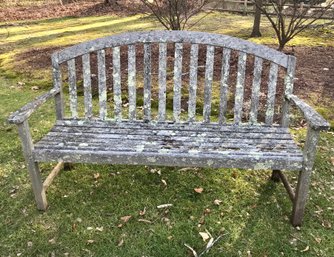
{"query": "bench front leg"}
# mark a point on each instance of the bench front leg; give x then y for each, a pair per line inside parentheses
(305, 176)
(34, 172)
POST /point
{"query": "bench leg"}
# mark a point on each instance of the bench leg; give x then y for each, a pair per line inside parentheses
(34, 172)
(68, 166)
(304, 177)
(275, 176)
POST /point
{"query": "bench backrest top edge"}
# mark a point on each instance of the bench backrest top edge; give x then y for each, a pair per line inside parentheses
(205, 38)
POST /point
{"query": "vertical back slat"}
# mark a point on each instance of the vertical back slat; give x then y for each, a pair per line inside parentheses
(132, 81)
(162, 81)
(193, 82)
(288, 89)
(101, 69)
(117, 83)
(147, 82)
(271, 93)
(239, 91)
(177, 81)
(256, 90)
(224, 85)
(210, 53)
(87, 86)
(57, 82)
(72, 81)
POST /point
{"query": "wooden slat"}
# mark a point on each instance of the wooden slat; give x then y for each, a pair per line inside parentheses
(288, 89)
(115, 140)
(224, 85)
(193, 82)
(177, 81)
(57, 83)
(162, 81)
(256, 90)
(117, 83)
(210, 53)
(196, 126)
(87, 86)
(271, 93)
(53, 174)
(239, 90)
(72, 81)
(147, 82)
(101, 69)
(132, 81)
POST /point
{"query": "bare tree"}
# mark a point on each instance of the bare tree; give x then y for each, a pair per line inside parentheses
(174, 14)
(257, 20)
(288, 18)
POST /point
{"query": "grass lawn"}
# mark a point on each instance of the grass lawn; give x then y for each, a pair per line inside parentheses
(88, 204)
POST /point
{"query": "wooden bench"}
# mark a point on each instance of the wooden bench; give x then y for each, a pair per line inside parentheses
(178, 122)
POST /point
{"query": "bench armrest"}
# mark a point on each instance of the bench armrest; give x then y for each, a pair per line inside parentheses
(24, 113)
(315, 120)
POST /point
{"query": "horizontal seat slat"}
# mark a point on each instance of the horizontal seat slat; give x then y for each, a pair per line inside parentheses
(172, 126)
(190, 133)
(184, 159)
(168, 141)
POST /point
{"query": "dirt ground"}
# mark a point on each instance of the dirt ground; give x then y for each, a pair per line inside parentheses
(315, 65)
(79, 9)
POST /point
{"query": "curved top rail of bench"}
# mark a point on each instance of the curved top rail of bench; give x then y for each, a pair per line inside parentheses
(173, 37)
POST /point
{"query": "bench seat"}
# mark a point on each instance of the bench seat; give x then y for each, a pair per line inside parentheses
(170, 144)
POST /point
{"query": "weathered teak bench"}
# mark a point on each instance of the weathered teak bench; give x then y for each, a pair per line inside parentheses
(186, 139)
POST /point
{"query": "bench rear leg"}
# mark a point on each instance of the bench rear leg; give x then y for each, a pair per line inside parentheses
(304, 177)
(275, 176)
(33, 168)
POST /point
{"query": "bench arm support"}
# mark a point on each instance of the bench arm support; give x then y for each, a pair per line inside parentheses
(315, 120)
(24, 113)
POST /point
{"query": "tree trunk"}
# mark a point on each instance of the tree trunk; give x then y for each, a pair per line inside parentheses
(257, 19)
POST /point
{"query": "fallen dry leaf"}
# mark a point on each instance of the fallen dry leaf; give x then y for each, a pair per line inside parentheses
(96, 175)
(126, 218)
(305, 250)
(142, 213)
(164, 182)
(198, 190)
(217, 202)
(90, 241)
(164, 205)
(205, 236)
(120, 225)
(100, 229)
(145, 221)
(120, 243)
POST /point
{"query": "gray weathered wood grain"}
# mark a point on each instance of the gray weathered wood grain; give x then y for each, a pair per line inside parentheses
(288, 88)
(177, 81)
(176, 37)
(225, 71)
(116, 60)
(193, 82)
(102, 80)
(271, 93)
(132, 81)
(210, 53)
(72, 81)
(162, 81)
(239, 90)
(255, 90)
(86, 73)
(57, 83)
(147, 81)
(24, 113)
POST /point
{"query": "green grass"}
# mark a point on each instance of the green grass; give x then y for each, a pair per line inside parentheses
(254, 212)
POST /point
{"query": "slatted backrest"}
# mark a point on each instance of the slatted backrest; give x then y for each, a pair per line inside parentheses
(138, 64)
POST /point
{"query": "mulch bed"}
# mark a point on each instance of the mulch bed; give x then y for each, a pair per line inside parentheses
(79, 9)
(314, 73)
